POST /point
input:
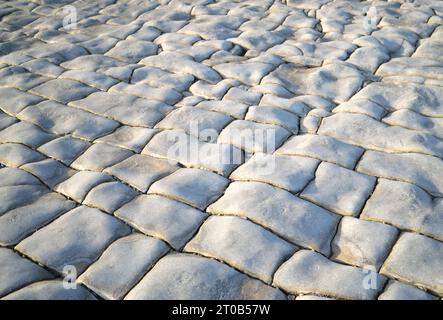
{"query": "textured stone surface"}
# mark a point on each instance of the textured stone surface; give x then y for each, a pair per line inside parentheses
(308, 272)
(122, 264)
(182, 276)
(399, 291)
(287, 172)
(229, 239)
(140, 171)
(77, 238)
(338, 189)
(50, 290)
(362, 243)
(222, 128)
(16, 272)
(292, 218)
(170, 220)
(407, 207)
(198, 188)
(418, 260)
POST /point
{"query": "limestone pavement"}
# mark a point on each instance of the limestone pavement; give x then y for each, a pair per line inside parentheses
(203, 149)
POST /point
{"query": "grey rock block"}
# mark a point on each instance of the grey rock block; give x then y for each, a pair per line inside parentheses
(78, 186)
(63, 91)
(323, 148)
(183, 276)
(363, 243)
(309, 272)
(198, 188)
(399, 291)
(292, 218)
(407, 207)
(287, 172)
(50, 290)
(100, 156)
(140, 171)
(408, 167)
(17, 272)
(76, 239)
(167, 219)
(230, 238)
(417, 260)
(338, 189)
(22, 221)
(122, 264)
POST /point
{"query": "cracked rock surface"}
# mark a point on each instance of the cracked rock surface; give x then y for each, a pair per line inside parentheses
(221, 149)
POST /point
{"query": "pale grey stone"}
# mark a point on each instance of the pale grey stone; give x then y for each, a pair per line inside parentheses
(25, 133)
(50, 290)
(125, 108)
(62, 120)
(160, 78)
(166, 95)
(167, 219)
(362, 243)
(132, 51)
(63, 91)
(100, 156)
(132, 138)
(91, 62)
(184, 276)
(122, 264)
(338, 189)
(198, 188)
(288, 172)
(194, 121)
(180, 63)
(249, 73)
(20, 222)
(14, 101)
(17, 272)
(230, 238)
(77, 238)
(294, 219)
(426, 100)
(99, 45)
(178, 146)
(78, 186)
(275, 116)
(140, 171)
(6, 120)
(399, 291)
(417, 260)
(16, 177)
(412, 120)
(212, 91)
(407, 66)
(20, 78)
(259, 40)
(231, 108)
(308, 272)
(242, 96)
(369, 58)
(50, 172)
(15, 155)
(405, 206)
(312, 297)
(253, 137)
(65, 149)
(91, 78)
(336, 81)
(361, 106)
(408, 167)
(369, 133)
